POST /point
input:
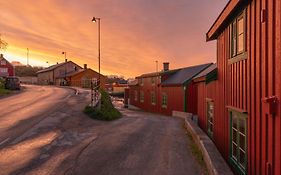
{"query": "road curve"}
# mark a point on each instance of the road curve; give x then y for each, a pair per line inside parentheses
(21, 111)
(49, 135)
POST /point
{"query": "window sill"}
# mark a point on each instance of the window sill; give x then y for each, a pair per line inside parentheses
(209, 100)
(153, 104)
(231, 108)
(237, 58)
(164, 106)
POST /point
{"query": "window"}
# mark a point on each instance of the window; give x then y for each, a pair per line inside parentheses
(238, 35)
(153, 98)
(164, 100)
(136, 95)
(3, 62)
(238, 135)
(3, 70)
(210, 117)
(141, 96)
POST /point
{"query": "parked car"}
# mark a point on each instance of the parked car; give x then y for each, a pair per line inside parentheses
(12, 83)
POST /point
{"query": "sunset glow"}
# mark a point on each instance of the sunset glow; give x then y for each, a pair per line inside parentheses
(134, 33)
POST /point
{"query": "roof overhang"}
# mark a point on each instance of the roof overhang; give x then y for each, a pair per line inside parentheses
(199, 79)
(230, 10)
(171, 85)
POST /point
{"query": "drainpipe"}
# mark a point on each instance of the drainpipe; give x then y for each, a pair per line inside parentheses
(185, 99)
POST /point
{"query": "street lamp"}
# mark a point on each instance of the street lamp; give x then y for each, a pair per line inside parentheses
(98, 21)
(64, 53)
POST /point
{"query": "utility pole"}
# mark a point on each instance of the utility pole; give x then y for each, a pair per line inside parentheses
(27, 56)
(156, 65)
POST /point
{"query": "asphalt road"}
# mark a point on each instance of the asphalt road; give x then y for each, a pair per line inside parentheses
(43, 131)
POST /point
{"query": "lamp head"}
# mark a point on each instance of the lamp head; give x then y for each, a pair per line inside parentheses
(94, 19)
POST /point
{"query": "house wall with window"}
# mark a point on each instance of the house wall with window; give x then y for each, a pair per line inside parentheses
(248, 35)
(6, 68)
(172, 99)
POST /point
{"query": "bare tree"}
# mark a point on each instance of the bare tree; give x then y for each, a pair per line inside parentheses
(3, 44)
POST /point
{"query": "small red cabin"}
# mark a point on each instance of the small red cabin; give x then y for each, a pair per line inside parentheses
(167, 91)
(6, 68)
(248, 88)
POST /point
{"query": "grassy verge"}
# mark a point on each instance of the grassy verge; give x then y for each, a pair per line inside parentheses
(196, 152)
(106, 112)
(4, 92)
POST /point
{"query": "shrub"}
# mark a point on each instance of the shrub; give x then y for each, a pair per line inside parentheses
(106, 112)
(2, 83)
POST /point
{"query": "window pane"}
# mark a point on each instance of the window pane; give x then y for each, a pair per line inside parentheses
(211, 119)
(242, 124)
(234, 151)
(234, 136)
(242, 158)
(241, 43)
(240, 26)
(211, 127)
(242, 142)
(234, 121)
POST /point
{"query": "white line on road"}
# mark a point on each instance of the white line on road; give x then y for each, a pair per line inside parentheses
(4, 141)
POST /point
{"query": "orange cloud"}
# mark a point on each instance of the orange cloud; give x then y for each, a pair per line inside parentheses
(135, 33)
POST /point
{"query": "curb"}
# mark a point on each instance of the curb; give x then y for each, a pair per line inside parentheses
(215, 163)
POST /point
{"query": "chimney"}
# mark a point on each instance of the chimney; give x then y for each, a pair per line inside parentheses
(1, 55)
(166, 66)
(57, 62)
(66, 60)
(85, 66)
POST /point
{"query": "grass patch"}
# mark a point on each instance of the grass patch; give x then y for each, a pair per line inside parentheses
(107, 111)
(4, 92)
(196, 152)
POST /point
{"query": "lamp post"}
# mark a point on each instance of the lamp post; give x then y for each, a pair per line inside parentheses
(95, 19)
(64, 53)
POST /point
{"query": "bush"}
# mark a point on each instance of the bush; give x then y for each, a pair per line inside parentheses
(106, 112)
(2, 83)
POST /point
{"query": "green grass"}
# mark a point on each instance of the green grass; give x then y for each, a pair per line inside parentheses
(4, 92)
(196, 152)
(107, 111)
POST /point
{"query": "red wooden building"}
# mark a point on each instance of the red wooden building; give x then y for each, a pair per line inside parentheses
(206, 85)
(6, 68)
(247, 120)
(166, 91)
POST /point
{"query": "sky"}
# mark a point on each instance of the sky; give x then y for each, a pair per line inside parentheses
(134, 33)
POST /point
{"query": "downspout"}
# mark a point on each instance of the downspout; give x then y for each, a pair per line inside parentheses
(184, 99)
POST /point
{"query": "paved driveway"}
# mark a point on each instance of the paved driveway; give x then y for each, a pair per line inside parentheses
(65, 141)
(139, 143)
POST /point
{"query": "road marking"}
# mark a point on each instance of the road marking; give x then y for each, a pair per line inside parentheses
(4, 141)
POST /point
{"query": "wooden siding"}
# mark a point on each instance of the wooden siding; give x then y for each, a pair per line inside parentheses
(191, 98)
(220, 127)
(245, 85)
(175, 99)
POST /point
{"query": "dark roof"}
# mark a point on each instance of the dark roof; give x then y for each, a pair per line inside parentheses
(205, 72)
(56, 66)
(154, 74)
(184, 75)
(122, 82)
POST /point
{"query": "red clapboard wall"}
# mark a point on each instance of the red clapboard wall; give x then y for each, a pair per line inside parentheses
(250, 85)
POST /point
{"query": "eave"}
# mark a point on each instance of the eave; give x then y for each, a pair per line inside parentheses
(225, 17)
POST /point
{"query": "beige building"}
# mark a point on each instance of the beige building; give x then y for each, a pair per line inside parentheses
(56, 74)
